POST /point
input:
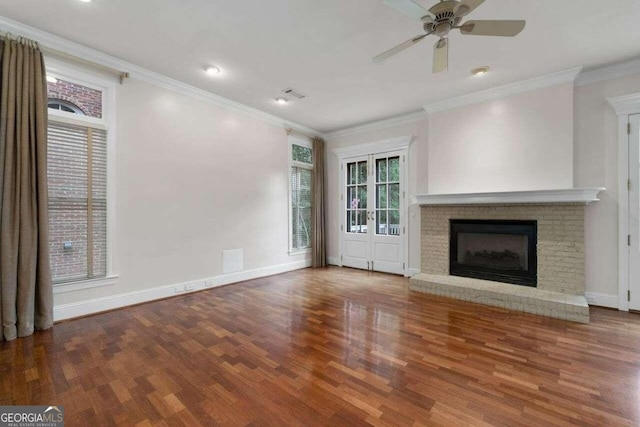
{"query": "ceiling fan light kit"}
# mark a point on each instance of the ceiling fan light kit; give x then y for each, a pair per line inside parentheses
(443, 17)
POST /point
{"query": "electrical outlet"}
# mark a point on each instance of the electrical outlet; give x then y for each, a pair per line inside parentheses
(208, 283)
(191, 287)
(180, 289)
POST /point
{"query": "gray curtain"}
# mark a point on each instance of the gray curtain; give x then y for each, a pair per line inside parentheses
(26, 294)
(318, 241)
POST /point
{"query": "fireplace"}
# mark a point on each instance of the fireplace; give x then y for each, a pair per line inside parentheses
(501, 251)
(553, 262)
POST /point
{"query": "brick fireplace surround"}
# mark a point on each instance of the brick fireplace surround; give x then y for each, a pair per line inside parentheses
(559, 214)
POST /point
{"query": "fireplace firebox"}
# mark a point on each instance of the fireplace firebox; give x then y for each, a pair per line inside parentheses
(502, 251)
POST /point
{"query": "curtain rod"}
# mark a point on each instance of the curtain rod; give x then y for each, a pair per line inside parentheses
(122, 75)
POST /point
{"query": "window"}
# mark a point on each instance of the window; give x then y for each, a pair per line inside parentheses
(77, 161)
(301, 183)
(60, 105)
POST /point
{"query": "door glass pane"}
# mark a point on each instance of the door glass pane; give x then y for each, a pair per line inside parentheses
(381, 189)
(394, 196)
(352, 198)
(394, 222)
(363, 222)
(394, 169)
(351, 173)
(381, 170)
(351, 221)
(381, 222)
(362, 196)
(362, 172)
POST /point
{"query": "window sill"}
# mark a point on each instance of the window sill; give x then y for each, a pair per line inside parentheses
(60, 288)
(300, 252)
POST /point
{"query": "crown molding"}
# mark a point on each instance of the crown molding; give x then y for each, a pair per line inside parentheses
(84, 53)
(385, 146)
(609, 72)
(377, 125)
(625, 105)
(499, 92)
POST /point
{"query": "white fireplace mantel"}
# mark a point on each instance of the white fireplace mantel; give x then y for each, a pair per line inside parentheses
(570, 195)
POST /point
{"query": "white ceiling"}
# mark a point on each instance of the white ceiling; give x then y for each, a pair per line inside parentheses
(323, 48)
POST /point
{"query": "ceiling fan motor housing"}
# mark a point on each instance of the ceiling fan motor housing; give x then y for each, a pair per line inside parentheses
(444, 18)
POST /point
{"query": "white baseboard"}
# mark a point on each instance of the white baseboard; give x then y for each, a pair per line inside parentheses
(602, 300)
(333, 260)
(412, 272)
(97, 305)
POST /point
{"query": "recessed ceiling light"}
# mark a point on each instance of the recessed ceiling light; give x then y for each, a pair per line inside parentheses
(85, 1)
(212, 70)
(51, 79)
(282, 101)
(480, 71)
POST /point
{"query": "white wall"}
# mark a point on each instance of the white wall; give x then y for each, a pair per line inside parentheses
(596, 157)
(557, 137)
(193, 179)
(523, 142)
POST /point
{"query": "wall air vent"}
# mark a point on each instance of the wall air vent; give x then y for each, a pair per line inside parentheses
(294, 93)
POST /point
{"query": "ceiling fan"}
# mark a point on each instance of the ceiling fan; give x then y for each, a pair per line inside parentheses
(440, 19)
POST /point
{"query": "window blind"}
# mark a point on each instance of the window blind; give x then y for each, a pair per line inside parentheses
(77, 175)
(301, 207)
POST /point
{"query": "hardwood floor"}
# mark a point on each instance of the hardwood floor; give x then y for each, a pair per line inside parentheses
(329, 347)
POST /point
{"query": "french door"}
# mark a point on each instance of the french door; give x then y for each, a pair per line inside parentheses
(373, 230)
(634, 212)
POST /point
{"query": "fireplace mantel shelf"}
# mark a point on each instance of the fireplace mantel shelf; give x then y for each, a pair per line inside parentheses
(570, 195)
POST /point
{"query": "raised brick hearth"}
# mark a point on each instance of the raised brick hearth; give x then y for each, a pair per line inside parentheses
(560, 252)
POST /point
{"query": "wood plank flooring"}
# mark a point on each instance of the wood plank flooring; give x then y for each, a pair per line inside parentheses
(329, 347)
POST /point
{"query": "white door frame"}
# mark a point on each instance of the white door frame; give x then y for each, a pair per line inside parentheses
(624, 106)
(379, 147)
(634, 203)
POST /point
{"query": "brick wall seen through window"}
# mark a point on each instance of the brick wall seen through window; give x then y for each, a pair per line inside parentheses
(88, 100)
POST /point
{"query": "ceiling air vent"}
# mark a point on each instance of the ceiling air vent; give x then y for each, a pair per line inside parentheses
(294, 93)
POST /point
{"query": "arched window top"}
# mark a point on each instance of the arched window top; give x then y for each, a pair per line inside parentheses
(61, 105)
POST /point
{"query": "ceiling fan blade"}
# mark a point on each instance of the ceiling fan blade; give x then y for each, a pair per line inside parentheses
(409, 8)
(465, 7)
(402, 46)
(441, 55)
(492, 28)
